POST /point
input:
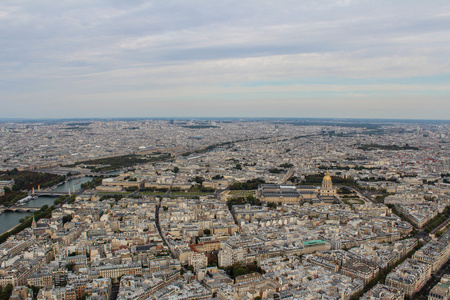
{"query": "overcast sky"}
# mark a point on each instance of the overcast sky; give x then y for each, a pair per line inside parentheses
(299, 58)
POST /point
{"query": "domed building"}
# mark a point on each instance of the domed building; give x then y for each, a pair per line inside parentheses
(327, 186)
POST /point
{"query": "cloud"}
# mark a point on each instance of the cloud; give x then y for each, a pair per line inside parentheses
(179, 51)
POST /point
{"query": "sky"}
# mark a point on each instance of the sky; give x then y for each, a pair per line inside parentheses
(243, 58)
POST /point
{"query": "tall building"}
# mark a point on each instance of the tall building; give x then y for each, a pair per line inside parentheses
(327, 186)
(228, 257)
(198, 261)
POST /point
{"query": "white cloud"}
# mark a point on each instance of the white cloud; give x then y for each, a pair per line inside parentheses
(180, 50)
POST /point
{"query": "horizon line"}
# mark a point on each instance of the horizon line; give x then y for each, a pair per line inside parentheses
(210, 118)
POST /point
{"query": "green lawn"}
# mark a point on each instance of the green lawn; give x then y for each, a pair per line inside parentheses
(114, 193)
(242, 193)
(153, 193)
(181, 194)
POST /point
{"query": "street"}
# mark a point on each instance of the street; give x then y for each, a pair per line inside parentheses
(435, 278)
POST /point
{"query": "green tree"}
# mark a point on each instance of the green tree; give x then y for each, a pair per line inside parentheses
(6, 292)
(286, 166)
(239, 271)
(250, 198)
(190, 268)
(35, 290)
(199, 179)
(272, 205)
(67, 219)
(84, 296)
(70, 267)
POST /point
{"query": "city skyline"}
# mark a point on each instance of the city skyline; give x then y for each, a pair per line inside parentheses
(342, 59)
(235, 209)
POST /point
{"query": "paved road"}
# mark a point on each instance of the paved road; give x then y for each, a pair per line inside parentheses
(135, 193)
(423, 293)
(361, 196)
(169, 191)
(79, 192)
(219, 191)
(446, 222)
(114, 291)
(158, 225)
(435, 278)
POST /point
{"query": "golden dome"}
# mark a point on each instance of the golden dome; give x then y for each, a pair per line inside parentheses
(327, 176)
(326, 182)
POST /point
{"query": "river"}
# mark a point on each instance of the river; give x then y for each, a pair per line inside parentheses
(10, 219)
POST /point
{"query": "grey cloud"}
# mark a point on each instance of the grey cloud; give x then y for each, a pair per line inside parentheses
(119, 45)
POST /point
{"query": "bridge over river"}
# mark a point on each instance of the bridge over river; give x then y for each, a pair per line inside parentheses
(20, 208)
(49, 193)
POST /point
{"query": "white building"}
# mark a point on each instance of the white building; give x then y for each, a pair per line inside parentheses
(228, 257)
(198, 261)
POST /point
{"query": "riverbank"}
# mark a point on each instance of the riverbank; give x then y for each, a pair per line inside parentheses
(27, 223)
(23, 181)
(9, 220)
